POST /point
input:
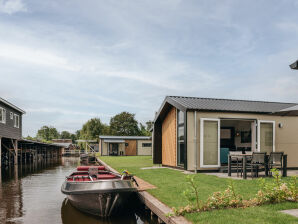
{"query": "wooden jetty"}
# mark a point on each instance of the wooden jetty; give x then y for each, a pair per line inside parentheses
(19, 152)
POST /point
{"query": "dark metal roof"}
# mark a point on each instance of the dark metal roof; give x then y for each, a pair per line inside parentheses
(125, 137)
(225, 105)
(291, 111)
(64, 144)
(230, 105)
(24, 141)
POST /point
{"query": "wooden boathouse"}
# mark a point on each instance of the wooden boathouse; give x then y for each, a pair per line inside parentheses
(14, 149)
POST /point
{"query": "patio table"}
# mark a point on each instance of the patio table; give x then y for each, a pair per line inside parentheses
(249, 155)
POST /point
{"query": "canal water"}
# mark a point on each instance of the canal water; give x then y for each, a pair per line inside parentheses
(31, 194)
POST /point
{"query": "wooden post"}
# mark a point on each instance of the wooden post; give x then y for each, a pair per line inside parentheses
(9, 157)
(16, 174)
(284, 165)
(16, 152)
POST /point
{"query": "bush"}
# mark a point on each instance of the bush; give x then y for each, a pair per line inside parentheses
(275, 192)
(225, 199)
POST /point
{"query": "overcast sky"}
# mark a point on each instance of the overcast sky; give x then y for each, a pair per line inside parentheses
(65, 62)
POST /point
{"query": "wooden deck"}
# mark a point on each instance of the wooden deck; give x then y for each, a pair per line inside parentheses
(143, 185)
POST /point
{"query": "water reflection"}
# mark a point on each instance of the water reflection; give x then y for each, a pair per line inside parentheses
(71, 215)
(31, 194)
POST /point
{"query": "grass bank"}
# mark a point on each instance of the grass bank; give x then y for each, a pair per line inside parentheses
(171, 183)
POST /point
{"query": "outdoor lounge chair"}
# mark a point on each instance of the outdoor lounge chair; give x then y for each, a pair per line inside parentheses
(275, 161)
(257, 161)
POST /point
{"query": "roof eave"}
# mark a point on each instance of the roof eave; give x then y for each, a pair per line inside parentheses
(172, 102)
(12, 106)
(229, 111)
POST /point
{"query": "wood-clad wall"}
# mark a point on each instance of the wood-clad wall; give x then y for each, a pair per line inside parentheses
(131, 149)
(169, 138)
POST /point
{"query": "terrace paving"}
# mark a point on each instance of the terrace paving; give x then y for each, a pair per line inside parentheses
(293, 212)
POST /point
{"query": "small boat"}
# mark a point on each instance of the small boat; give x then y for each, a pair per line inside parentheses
(97, 191)
(88, 158)
(92, 159)
(84, 157)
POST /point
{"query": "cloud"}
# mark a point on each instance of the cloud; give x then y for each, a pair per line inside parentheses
(66, 112)
(12, 6)
(35, 56)
(76, 60)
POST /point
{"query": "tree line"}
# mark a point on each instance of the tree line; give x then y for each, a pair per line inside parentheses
(122, 124)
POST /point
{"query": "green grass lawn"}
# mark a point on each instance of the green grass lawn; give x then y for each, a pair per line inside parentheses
(171, 183)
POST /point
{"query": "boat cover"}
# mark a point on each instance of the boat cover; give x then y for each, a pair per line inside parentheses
(86, 168)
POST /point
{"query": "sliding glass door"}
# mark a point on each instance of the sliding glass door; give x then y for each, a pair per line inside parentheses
(209, 142)
(266, 136)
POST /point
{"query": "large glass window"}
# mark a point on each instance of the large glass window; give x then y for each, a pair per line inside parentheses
(266, 137)
(181, 139)
(210, 141)
(180, 117)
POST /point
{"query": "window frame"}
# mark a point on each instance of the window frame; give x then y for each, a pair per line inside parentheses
(202, 120)
(16, 125)
(180, 124)
(149, 144)
(259, 134)
(3, 118)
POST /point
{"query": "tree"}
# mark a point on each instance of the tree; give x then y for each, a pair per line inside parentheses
(30, 138)
(145, 130)
(106, 130)
(46, 133)
(65, 135)
(149, 125)
(77, 134)
(73, 138)
(92, 129)
(124, 124)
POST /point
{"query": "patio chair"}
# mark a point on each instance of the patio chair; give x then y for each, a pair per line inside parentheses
(275, 161)
(257, 161)
(236, 162)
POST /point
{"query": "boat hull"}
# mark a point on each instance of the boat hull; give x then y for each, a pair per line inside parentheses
(101, 198)
(101, 204)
